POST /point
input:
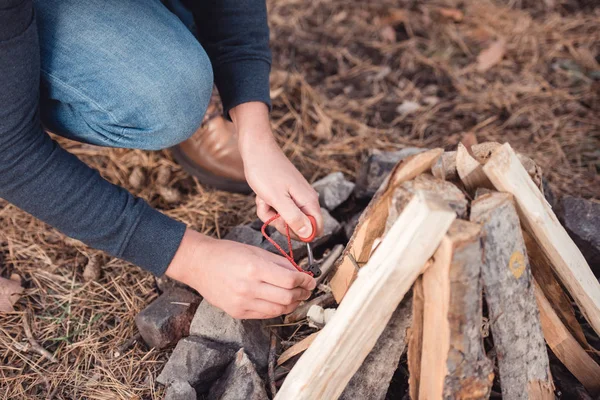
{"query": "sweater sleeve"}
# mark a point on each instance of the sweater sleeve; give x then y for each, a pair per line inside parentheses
(40, 177)
(235, 35)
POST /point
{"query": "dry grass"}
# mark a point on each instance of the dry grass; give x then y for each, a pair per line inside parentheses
(338, 77)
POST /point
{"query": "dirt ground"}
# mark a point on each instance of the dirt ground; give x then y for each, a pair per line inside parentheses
(341, 70)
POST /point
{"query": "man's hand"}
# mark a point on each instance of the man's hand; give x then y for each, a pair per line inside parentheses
(244, 281)
(279, 186)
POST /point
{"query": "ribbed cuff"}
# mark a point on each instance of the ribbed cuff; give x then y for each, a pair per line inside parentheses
(243, 81)
(154, 241)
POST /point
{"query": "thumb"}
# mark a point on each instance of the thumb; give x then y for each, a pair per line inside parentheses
(294, 217)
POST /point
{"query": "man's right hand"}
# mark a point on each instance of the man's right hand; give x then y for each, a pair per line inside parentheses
(244, 281)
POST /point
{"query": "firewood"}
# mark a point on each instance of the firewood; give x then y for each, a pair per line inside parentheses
(298, 348)
(445, 167)
(523, 360)
(415, 341)
(507, 174)
(372, 380)
(548, 282)
(371, 224)
(453, 361)
(325, 300)
(470, 170)
(337, 353)
(566, 348)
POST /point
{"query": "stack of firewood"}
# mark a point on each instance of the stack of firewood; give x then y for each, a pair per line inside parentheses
(446, 233)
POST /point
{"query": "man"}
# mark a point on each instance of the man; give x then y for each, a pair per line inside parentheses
(129, 74)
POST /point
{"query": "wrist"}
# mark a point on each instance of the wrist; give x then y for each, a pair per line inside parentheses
(251, 121)
(191, 248)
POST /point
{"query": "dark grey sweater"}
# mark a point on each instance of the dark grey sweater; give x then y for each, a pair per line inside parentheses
(40, 177)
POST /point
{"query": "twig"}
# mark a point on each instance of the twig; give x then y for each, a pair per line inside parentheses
(34, 344)
(127, 345)
(325, 300)
(328, 263)
(271, 372)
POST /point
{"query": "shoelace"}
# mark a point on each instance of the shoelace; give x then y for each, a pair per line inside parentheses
(290, 256)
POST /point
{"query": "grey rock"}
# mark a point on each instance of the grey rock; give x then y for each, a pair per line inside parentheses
(333, 190)
(180, 390)
(213, 324)
(245, 234)
(548, 193)
(581, 219)
(376, 167)
(240, 381)
(167, 319)
(197, 361)
(330, 227)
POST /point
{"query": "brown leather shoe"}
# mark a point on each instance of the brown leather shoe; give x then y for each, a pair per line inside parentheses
(212, 154)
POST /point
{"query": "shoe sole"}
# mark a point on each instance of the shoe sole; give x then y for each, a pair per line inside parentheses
(206, 177)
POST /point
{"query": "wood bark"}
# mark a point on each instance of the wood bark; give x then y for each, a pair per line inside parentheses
(339, 350)
(453, 361)
(371, 224)
(566, 348)
(507, 174)
(373, 378)
(518, 340)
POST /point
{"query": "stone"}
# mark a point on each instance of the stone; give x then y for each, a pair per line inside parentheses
(245, 234)
(376, 167)
(240, 381)
(164, 284)
(180, 390)
(330, 228)
(197, 361)
(581, 219)
(333, 190)
(253, 335)
(408, 107)
(167, 319)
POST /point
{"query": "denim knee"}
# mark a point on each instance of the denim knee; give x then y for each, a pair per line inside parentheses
(173, 107)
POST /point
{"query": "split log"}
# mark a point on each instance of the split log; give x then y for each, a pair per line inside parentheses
(445, 167)
(522, 357)
(372, 380)
(561, 303)
(470, 171)
(415, 342)
(507, 174)
(371, 224)
(337, 353)
(566, 348)
(453, 361)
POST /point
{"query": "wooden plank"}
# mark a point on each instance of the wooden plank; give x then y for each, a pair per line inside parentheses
(298, 348)
(508, 175)
(415, 342)
(337, 353)
(372, 380)
(518, 340)
(371, 224)
(453, 361)
(566, 348)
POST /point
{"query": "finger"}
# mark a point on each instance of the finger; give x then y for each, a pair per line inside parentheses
(307, 199)
(281, 296)
(285, 278)
(269, 308)
(265, 212)
(293, 216)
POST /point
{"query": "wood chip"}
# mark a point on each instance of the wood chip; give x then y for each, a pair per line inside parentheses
(491, 56)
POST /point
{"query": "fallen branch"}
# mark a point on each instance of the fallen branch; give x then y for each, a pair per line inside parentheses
(34, 344)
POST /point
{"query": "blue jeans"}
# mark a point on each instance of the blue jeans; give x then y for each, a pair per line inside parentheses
(120, 73)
